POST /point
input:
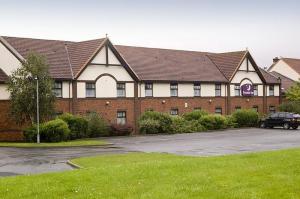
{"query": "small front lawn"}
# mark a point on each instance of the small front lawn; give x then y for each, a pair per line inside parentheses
(73, 143)
(268, 175)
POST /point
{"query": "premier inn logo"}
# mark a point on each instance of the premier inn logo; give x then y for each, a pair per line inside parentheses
(247, 90)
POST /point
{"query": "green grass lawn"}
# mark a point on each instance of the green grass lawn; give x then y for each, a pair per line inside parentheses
(268, 175)
(72, 143)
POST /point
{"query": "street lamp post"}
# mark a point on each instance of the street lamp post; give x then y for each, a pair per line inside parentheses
(37, 110)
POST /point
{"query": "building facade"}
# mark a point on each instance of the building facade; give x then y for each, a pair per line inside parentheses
(122, 82)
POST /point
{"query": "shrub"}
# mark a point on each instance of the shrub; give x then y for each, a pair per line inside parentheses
(149, 126)
(246, 118)
(194, 115)
(181, 125)
(30, 134)
(97, 126)
(231, 121)
(290, 106)
(55, 131)
(77, 125)
(165, 120)
(121, 129)
(212, 122)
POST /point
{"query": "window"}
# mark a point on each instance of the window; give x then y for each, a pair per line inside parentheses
(174, 111)
(197, 90)
(255, 108)
(148, 90)
(57, 89)
(174, 90)
(218, 90)
(121, 90)
(272, 109)
(121, 117)
(255, 90)
(271, 90)
(238, 108)
(218, 110)
(237, 90)
(90, 90)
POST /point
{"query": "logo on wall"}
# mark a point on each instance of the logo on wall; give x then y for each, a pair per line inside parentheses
(247, 90)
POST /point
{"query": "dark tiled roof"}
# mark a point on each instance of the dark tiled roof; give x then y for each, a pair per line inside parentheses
(293, 63)
(286, 82)
(59, 54)
(270, 78)
(3, 76)
(170, 65)
(227, 62)
(53, 50)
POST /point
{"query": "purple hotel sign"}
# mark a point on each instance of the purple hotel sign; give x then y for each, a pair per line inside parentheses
(247, 90)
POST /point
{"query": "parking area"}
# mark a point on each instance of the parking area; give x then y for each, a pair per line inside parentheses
(18, 161)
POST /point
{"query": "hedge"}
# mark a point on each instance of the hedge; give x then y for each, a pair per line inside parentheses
(78, 125)
(246, 118)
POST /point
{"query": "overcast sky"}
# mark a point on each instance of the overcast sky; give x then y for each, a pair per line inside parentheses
(268, 28)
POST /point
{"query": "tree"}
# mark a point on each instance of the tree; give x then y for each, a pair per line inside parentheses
(22, 88)
(293, 93)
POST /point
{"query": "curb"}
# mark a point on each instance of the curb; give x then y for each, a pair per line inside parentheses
(76, 166)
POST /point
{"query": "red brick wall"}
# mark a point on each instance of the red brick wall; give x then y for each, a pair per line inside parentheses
(6, 123)
(179, 102)
(273, 101)
(246, 103)
(108, 112)
(63, 105)
(11, 136)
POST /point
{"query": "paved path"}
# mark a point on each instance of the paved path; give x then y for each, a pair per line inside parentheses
(213, 143)
(16, 161)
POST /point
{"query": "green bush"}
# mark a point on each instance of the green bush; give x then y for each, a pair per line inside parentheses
(213, 122)
(246, 118)
(194, 115)
(97, 126)
(30, 134)
(231, 121)
(290, 106)
(77, 125)
(181, 125)
(165, 120)
(54, 131)
(149, 126)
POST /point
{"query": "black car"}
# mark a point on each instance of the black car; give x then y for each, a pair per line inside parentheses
(281, 119)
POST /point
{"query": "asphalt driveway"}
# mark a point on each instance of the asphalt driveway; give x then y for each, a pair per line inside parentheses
(18, 161)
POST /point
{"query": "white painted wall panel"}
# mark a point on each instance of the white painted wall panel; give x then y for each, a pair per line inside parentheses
(8, 62)
(284, 69)
(93, 71)
(4, 94)
(276, 90)
(106, 87)
(186, 90)
(129, 89)
(81, 89)
(260, 90)
(208, 90)
(66, 89)
(112, 59)
(240, 75)
(160, 90)
(100, 58)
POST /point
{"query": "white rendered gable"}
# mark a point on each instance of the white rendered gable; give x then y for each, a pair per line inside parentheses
(8, 61)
